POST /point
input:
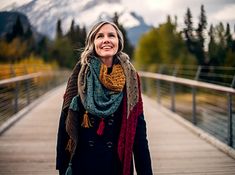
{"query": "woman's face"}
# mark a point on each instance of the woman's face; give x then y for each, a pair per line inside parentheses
(106, 42)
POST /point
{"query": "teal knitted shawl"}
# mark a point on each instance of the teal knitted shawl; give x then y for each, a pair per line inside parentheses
(97, 99)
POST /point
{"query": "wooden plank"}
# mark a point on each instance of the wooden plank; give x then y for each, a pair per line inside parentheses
(176, 150)
(29, 146)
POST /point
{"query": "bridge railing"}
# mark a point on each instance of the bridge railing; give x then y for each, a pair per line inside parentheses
(208, 106)
(19, 91)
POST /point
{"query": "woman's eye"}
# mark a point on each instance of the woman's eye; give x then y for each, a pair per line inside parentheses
(111, 35)
(99, 36)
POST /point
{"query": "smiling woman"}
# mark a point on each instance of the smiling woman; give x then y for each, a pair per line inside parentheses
(102, 123)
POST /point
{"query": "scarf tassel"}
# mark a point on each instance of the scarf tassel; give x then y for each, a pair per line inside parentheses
(69, 170)
(70, 145)
(100, 130)
(86, 122)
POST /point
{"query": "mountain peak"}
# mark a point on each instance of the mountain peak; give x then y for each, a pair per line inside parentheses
(45, 14)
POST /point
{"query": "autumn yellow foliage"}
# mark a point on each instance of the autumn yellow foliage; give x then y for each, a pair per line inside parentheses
(31, 64)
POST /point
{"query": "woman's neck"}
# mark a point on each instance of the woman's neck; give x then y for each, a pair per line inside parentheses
(107, 61)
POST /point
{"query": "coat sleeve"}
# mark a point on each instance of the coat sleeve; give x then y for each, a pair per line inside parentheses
(62, 156)
(141, 149)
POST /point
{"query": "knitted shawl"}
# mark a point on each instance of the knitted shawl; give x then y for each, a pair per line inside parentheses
(132, 107)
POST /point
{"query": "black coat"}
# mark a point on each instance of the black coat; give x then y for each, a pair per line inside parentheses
(97, 155)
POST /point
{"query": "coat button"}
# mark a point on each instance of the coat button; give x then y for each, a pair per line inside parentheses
(109, 144)
(91, 143)
(110, 122)
(92, 120)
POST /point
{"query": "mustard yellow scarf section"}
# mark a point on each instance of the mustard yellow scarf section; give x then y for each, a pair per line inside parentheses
(114, 81)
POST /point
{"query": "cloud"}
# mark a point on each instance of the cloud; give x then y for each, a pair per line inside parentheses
(5, 3)
(225, 14)
(155, 11)
(158, 4)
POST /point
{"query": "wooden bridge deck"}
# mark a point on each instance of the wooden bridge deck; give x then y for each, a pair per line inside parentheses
(29, 146)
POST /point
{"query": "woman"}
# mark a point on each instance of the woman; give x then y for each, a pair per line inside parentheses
(102, 123)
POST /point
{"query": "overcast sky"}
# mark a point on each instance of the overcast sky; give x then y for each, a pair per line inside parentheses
(155, 11)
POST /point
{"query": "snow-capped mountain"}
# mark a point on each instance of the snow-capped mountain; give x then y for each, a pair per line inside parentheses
(43, 14)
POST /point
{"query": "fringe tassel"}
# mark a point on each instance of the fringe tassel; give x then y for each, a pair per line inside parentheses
(86, 122)
(69, 170)
(70, 145)
(100, 130)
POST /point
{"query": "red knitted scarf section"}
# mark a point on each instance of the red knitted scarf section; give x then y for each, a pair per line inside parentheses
(127, 133)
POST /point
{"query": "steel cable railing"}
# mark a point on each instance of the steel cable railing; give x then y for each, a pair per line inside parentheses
(19, 91)
(224, 76)
(208, 106)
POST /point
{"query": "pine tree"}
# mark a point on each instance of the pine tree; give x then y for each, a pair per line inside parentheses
(59, 32)
(77, 36)
(42, 48)
(233, 42)
(195, 42)
(80, 37)
(230, 48)
(221, 40)
(200, 53)
(71, 33)
(220, 35)
(228, 37)
(17, 30)
(29, 39)
(128, 48)
(212, 47)
(83, 36)
(189, 24)
(18, 27)
(188, 31)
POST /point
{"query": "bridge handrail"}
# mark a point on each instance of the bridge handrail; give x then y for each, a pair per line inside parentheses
(18, 92)
(23, 77)
(194, 83)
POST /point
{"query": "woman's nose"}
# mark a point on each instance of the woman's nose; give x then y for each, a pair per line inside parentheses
(106, 39)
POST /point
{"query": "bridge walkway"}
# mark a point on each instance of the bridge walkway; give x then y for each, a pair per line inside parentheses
(28, 147)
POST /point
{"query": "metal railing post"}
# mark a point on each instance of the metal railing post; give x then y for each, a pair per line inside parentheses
(27, 82)
(230, 120)
(158, 92)
(194, 100)
(28, 91)
(159, 86)
(16, 106)
(173, 90)
(16, 90)
(198, 72)
(233, 82)
(173, 96)
(194, 106)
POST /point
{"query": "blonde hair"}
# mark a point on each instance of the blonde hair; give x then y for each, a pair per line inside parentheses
(89, 45)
